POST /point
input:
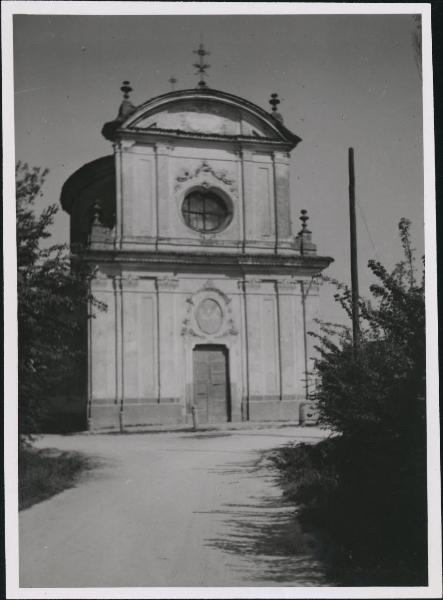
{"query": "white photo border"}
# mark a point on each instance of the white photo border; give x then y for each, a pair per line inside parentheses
(11, 8)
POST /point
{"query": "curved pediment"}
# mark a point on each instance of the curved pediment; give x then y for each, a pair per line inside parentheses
(207, 113)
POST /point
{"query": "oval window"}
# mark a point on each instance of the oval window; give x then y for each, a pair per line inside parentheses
(205, 211)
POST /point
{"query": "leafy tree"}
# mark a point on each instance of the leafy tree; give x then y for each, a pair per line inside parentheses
(365, 488)
(382, 385)
(375, 398)
(53, 298)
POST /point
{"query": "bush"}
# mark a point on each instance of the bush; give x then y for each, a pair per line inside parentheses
(366, 487)
(53, 298)
(370, 515)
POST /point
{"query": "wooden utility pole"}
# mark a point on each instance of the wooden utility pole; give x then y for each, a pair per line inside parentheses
(304, 230)
(354, 271)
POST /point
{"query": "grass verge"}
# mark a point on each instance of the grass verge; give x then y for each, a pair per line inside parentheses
(44, 473)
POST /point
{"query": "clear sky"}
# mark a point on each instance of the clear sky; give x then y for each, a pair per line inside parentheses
(344, 80)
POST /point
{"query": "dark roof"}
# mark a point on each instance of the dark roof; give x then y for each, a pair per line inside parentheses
(97, 170)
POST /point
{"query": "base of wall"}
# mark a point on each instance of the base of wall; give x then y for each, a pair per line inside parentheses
(274, 410)
(110, 416)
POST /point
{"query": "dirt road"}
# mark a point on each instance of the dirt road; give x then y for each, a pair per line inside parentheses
(169, 509)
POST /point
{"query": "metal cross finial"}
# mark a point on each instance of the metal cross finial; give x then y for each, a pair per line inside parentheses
(126, 89)
(201, 66)
(274, 102)
(172, 81)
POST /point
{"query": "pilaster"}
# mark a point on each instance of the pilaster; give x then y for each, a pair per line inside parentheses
(168, 333)
(163, 190)
(118, 195)
(119, 354)
(281, 186)
(102, 343)
(253, 299)
(286, 298)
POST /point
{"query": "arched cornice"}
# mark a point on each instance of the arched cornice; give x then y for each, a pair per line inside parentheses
(279, 132)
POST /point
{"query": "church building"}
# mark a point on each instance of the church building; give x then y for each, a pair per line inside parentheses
(210, 296)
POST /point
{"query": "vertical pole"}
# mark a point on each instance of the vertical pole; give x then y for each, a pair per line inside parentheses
(305, 336)
(304, 219)
(354, 272)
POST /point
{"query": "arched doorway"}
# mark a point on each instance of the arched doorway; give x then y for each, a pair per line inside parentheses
(211, 383)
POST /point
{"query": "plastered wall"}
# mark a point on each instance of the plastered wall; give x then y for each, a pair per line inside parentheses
(153, 180)
(141, 365)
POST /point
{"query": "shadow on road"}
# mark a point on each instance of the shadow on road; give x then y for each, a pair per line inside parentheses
(266, 538)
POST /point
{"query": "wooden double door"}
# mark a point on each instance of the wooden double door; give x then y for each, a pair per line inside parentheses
(211, 384)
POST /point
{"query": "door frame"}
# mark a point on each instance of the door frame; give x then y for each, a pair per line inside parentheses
(226, 352)
(236, 372)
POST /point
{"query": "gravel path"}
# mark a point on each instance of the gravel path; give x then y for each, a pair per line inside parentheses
(170, 509)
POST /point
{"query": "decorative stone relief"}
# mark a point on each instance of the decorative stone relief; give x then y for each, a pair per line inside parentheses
(205, 167)
(207, 239)
(209, 314)
(167, 283)
(232, 329)
(287, 284)
(126, 145)
(253, 284)
(100, 280)
(130, 281)
(311, 287)
(210, 286)
(188, 330)
(98, 274)
(117, 283)
(209, 107)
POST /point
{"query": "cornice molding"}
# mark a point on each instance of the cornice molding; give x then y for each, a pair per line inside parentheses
(294, 265)
(282, 134)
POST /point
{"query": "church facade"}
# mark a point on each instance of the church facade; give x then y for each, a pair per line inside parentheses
(209, 293)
